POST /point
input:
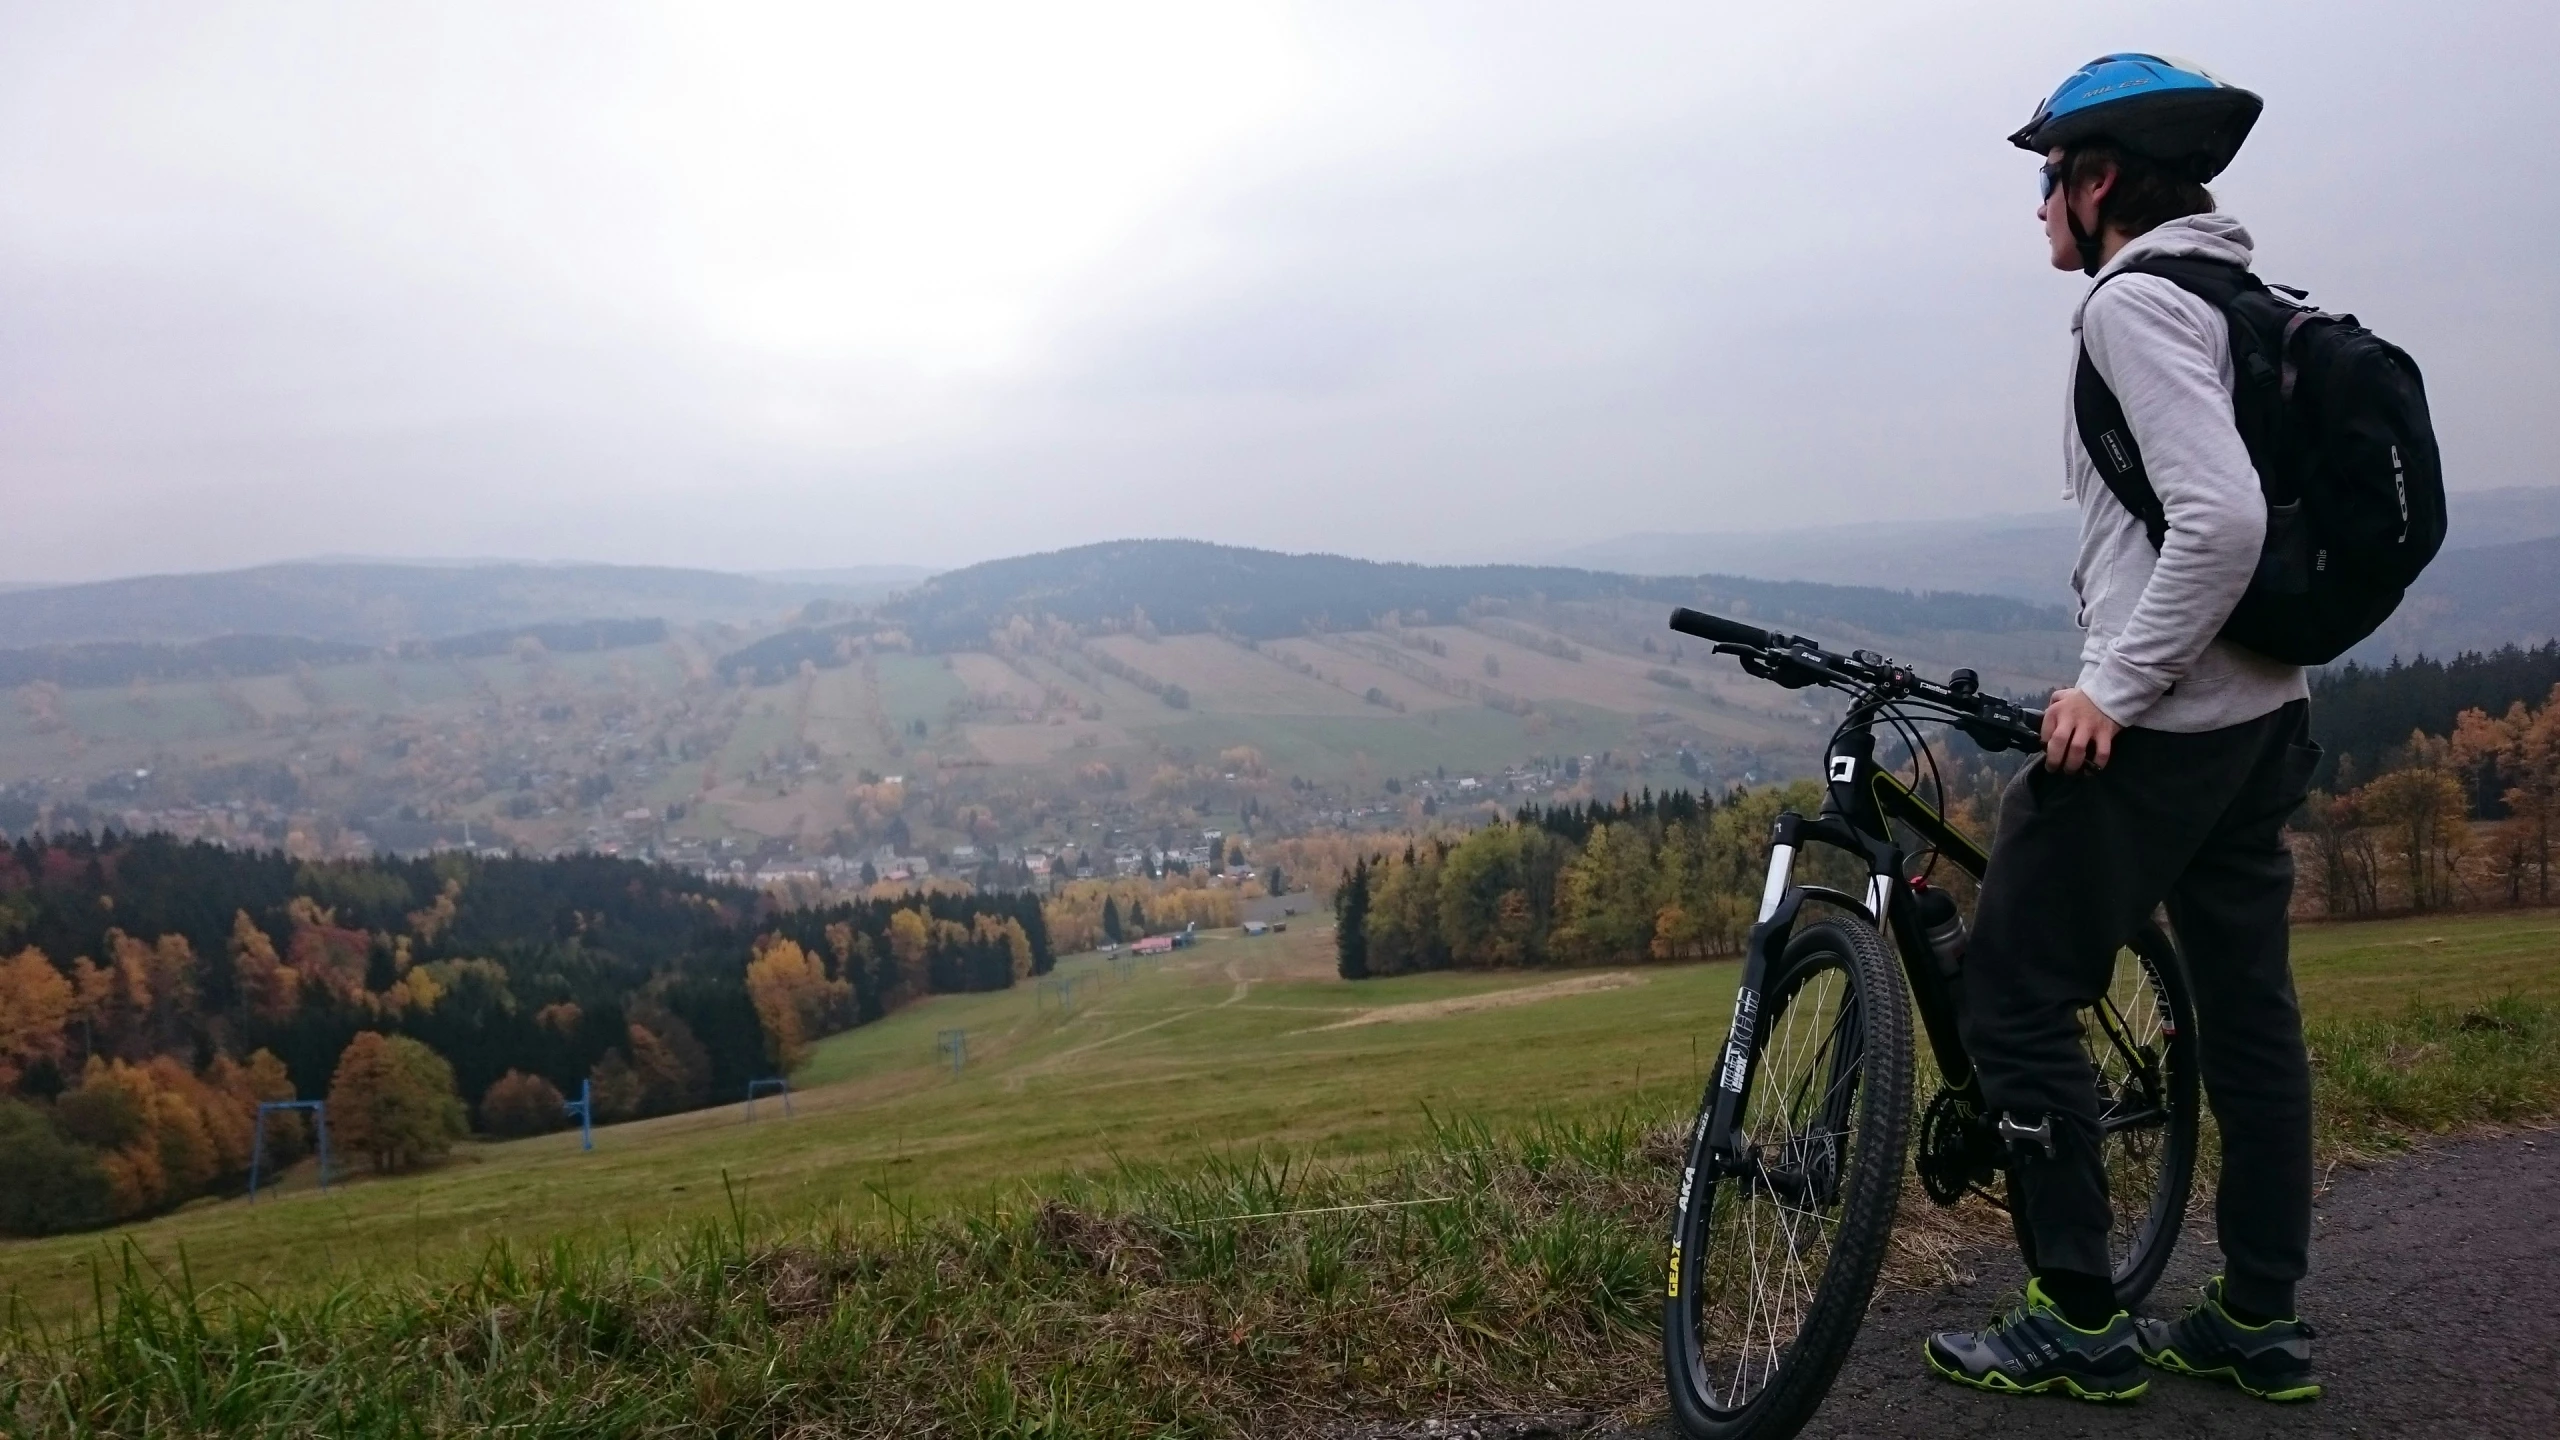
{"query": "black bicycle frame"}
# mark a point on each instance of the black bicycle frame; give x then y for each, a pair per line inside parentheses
(1859, 806)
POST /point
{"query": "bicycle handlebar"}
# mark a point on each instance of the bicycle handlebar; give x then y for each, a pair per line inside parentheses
(1723, 631)
(1795, 661)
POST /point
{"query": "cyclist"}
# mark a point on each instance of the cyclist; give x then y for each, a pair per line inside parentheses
(2170, 767)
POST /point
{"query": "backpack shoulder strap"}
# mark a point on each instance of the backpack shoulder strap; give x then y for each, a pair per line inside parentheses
(2217, 281)
(2108, 438)
(2099, 416)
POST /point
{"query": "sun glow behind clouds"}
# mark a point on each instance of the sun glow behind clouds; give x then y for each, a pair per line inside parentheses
(911, 184)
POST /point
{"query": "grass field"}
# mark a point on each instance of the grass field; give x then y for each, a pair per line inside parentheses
(1222, 1049)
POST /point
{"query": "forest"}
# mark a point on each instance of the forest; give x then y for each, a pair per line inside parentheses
(2455, 810)
(2459, 816)
(2359, 713)
(1658, 877)
(153, 991)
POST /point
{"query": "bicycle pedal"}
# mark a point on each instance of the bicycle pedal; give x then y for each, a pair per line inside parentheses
(2020, 1137)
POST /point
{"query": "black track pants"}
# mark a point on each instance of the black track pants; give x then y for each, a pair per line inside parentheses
(2196, 820)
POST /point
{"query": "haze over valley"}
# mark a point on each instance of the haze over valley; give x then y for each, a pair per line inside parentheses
(1088, 705)
(1099, 707)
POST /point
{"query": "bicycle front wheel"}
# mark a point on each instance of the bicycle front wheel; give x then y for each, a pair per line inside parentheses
(1775, 1251)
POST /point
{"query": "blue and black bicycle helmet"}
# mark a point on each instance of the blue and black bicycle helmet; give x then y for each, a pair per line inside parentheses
(2166, 110)
(2170, 111)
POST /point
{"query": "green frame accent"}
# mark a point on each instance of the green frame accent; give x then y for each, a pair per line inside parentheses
(1899, 802)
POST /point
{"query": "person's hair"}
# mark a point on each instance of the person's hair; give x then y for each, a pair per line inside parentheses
(2147, 193)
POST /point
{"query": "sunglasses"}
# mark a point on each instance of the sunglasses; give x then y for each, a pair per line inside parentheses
(2049, 178)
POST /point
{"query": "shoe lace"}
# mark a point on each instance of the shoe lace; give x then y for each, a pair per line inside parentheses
(2012, 1313)
(2200, 1308)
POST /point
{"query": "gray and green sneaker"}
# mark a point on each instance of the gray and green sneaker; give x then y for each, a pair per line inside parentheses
(2032, 1349)
(2271, 1361)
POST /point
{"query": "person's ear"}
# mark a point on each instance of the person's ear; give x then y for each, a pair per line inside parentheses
(2093, 192)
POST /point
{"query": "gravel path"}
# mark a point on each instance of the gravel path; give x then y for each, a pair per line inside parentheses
(2433, 1285)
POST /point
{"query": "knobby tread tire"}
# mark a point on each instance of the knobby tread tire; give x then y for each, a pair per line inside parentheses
(1867, 1209)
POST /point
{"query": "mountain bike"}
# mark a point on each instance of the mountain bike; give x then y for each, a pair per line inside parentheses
(1794, 1171)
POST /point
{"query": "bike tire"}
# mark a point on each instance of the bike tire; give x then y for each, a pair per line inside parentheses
(2146, 1226)
(1735, 1372)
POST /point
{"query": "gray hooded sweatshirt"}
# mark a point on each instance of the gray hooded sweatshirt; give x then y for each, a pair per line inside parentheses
(2151, 658)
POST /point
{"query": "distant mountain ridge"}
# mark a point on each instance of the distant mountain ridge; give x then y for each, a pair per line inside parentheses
(2026, 555)
(375, 603)
(2477, 598)
(2496, 583)
(230, 657)
(1191, 585)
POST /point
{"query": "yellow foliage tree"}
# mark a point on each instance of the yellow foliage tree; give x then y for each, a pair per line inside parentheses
(392, 1101)
(910, 946)
(35, 1009)
(795, 1001)
(163, 1134)
(2522, 748)
(1008, 932)
(156, 980)
(269, 987)
(2426, 809)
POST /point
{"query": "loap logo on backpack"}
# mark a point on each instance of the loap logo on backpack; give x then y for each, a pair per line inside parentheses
(2117, 455)
(2400, 487)
(2335, 418)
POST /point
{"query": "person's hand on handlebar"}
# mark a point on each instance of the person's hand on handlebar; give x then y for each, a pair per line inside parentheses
(2077, 732)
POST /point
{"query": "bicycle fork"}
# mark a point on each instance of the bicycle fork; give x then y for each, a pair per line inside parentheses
(1717, 1146)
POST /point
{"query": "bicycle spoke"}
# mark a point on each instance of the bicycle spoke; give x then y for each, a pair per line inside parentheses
(1771, 1232)
(2125, 1037)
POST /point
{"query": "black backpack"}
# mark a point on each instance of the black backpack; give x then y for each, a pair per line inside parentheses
(2335, 418)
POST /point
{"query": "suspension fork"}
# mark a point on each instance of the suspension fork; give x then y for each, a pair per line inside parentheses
(1779, 902)
(1851, 821)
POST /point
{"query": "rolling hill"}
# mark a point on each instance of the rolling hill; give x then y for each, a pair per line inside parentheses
(1111, 694)
(380, 602)
(1136, 689)
(1183, 586)
(2027, 556)
(2496, 583)
(2476, 598)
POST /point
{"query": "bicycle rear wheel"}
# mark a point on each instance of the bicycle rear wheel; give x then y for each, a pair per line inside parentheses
(2141, 1042)
(1775, 1254)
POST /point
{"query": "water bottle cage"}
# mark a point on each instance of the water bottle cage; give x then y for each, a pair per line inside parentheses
(2024, 1139)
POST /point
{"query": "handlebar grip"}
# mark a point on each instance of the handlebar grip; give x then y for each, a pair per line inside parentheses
(1722, 631)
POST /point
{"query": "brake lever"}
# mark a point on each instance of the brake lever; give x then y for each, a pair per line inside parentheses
(1998, 733)
(1777, 667)
(1993, 738)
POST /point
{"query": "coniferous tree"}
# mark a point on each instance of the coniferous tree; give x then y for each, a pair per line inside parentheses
(1351, 923)
(1111, 920)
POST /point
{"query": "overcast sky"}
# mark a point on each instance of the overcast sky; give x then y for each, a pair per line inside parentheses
(767, 287)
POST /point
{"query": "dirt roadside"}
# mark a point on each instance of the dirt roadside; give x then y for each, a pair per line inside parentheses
(2433, 1278)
